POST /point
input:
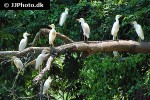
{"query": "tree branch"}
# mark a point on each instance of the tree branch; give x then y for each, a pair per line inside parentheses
(91, 47)
(41, 74)
(45, 31)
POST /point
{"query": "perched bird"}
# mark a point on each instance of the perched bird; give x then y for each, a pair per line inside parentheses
(18, 63)
(23, 42)
(52, 34)
(115, 27)
(63, 17)
(138, 30)
(85, 28)
(40, 59)
(47, 85)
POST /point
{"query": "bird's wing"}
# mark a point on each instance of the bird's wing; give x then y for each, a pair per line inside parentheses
(22, 44)
(139, 31)
(62, 18)
(39, 62)
(52, 36)
(18, 64)
(86, 29)
(46, 86)
(115, 29)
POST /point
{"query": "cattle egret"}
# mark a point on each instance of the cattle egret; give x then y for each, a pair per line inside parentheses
(47, 85)
(115, 27)
(85, 28)
(40, 59)
(138, 30)
(18, 63)
(52, 34)
(23, 42)
(63, 17)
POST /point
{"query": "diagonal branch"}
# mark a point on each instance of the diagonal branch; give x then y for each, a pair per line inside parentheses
(41, 74)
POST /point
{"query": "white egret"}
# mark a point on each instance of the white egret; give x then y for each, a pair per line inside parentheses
(115, 27)
(40, 59)
(52, 34)
(23, 42)
(138, 30)
(47, 85)
(63, 17)
(85, 28)
(18, 63)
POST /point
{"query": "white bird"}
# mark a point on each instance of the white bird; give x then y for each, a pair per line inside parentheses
(52, 34)
(40, 59)
(85, 28)
(138, 30)
(115, 27)
(63, 17)
(23, 42)
(18, 63)
(47, 85)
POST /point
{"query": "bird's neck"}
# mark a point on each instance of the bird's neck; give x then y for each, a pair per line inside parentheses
(25, 37)
(82, 22)
(43, 53)
(66, 11)
(117, 20)
(53, 29)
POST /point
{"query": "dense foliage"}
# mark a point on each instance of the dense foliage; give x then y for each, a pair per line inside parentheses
(97, 77)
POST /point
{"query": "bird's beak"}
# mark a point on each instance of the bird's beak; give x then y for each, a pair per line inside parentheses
(78, 19)
(120, 15)
(131, 23)
(50, 26)
(29, 34)
(67, 8)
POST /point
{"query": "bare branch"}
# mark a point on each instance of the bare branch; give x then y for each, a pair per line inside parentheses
(91, 47)
(41, 74)
(22, 53)
(31, 97)
(65, 38)
(45, 31)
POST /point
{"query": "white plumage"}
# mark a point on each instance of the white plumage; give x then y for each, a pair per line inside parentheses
(23, 42)
(18, 63)
(138, 30)
(63, 17)
(85, 28)
(115, 27)
(40, 58)
(52, 34)
(47, 85)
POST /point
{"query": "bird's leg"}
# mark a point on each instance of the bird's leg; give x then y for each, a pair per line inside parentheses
(47, 95)
(40, 69)
(117, 38)
(84, 38)
(139, 40)
(113, 38)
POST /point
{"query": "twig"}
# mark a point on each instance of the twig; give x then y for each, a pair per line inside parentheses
(31, 97)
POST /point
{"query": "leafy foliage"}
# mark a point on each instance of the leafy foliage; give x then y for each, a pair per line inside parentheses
(99, 76)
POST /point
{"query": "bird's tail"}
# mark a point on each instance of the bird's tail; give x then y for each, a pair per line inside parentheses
(61, 23)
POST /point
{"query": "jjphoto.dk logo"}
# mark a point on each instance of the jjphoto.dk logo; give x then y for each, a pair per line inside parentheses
(39, 4)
